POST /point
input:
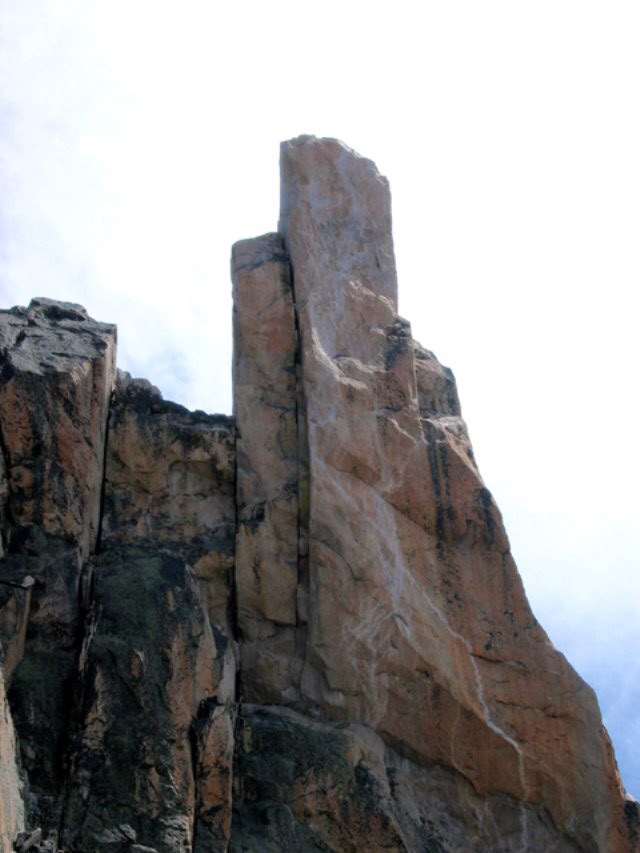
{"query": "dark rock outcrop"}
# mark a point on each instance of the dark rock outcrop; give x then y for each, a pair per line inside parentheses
(300, 628)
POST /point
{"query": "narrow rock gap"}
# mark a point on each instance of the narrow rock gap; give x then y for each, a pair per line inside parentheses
(302, 592)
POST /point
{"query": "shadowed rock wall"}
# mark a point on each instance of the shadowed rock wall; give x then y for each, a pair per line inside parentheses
(297, 629)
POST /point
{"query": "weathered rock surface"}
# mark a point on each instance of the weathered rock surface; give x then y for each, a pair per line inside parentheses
(307, 785)
(11, 802)
(418, 623)
(170, 483)
(151, 667)
(299, 629)
(157, 670)
(116, 613)
(56, 378)
(265, 385)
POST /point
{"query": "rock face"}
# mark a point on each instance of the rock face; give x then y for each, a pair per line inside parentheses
(298, 629)
(266, 405)
(56, 379)
(418, 623)
(11, 804)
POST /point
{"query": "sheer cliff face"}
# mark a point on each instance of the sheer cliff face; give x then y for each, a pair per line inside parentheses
(298, 629)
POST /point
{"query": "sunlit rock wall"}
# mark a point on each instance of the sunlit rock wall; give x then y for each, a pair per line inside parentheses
(296, 629)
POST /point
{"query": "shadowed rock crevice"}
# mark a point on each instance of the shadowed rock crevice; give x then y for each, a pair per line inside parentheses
(304, 508)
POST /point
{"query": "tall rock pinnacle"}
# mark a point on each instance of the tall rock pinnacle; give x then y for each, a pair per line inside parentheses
(297, 630)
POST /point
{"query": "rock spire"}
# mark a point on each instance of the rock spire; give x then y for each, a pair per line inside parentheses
(299, 628)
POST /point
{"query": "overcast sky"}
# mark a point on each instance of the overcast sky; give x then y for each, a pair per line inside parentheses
(139, 139)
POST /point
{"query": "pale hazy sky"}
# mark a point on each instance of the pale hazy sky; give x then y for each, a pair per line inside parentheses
(139, 139)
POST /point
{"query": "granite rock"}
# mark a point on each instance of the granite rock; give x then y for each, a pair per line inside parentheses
(417, 622)
(300, 628)
(266, 410)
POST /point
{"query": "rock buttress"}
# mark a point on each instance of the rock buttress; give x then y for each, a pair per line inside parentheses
(116, 609)
(56, 376)
(416, 625)
(152, 742)
(264, 383)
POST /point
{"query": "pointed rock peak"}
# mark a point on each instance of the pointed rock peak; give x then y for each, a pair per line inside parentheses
(330, 147)
(334, 201)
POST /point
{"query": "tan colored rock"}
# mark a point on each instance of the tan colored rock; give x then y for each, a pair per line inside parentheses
(117, 714)
(333, 198)
(57, 369)
(11, 805)
(395, 691)
(214, 747)
(418, 623)
(303, 784)
(435, 385)
(266, 411)
(57, 378)
(170, 472)
(15, 608)
(171, 481)
(156, 689)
